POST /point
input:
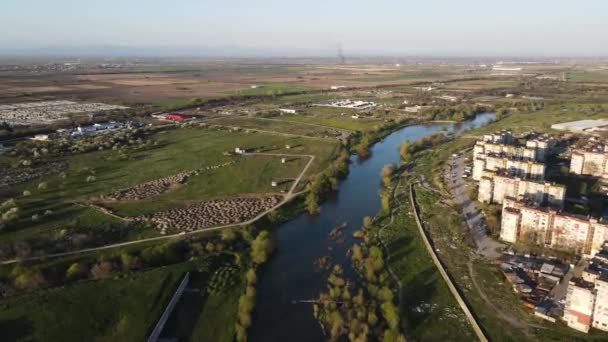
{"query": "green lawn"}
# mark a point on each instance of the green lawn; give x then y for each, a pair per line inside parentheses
(273, 89)
(168, 104)
(429, 309)
(178, 150)
(274, 124)
(334, 117)
(122, 309)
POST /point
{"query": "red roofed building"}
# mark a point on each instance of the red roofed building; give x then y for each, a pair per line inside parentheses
(177, 116)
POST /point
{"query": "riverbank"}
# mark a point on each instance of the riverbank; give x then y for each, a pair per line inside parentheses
(291, 276)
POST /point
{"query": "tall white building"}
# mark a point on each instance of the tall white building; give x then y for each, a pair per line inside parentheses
(580, 302)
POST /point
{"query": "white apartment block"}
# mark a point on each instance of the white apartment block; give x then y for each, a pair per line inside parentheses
(580, 302)
(600, 311)
(494, 186)
(589, 163)
(523, 221)
(500, 151)
(516, 167)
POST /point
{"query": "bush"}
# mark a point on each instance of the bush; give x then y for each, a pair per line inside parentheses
(261, 247)
(101, 270)
(76, 271)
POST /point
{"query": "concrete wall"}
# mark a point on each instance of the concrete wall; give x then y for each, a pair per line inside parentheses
(165, 316)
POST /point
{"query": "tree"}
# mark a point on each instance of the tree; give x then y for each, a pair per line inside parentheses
(261, 247)
(367, 222)
(101, 270)
(404, 151)
(228, 235)
(75, 271)
(29, 280)
(251, 276)
(393, 335)
(387, 173)
(390, 314)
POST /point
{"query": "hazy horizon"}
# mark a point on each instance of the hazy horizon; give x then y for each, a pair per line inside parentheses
(314, 28)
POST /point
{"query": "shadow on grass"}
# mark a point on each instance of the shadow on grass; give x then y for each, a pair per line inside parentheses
(17, 329)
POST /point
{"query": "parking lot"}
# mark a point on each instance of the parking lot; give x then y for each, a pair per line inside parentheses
(456, 179)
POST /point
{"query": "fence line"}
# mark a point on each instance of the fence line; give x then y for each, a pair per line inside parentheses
(463, 305)
(165, 316)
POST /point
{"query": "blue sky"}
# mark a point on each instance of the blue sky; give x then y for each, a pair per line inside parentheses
(465, 27)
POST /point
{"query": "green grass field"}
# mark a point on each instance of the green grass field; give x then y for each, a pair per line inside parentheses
(600, 76)
(122, 309)
(177, 150)
(272, 89)
(274, 124)
(430, 311)
(334, 117)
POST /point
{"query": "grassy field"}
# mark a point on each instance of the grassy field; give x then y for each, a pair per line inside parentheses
(481, 84)
(334, 117)
(168, 104)
(430, 311)
(122, 309)
(600, 76)
(203, 316)
(274, 124)
(273, 89)
(177, 150)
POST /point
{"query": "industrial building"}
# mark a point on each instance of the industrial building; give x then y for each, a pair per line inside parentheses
(582, 126)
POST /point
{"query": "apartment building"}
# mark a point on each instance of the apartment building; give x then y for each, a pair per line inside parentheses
(494, 186)
(526, 220)
(590, 161)
(580, 302)
(591, 288)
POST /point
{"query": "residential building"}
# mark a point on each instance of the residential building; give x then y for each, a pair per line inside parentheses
(501, 150)
(590, 161)
(525, 220)
(494, 186)
(525, 168)
(587, 297)
(580, 302)
(600, 311)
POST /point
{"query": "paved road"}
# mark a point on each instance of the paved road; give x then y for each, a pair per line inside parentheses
(288, 197)
(559, 291)
(486, 246)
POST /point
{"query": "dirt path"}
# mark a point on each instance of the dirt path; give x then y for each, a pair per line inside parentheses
(512, 320)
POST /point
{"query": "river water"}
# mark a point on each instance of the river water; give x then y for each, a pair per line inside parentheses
(290, 275)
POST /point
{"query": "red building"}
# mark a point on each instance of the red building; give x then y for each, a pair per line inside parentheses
(177, 116)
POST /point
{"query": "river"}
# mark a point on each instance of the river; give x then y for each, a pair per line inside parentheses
(290, 275)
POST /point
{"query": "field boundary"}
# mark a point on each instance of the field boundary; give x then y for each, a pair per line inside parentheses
(474, 324)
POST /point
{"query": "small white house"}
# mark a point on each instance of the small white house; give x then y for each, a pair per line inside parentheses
(354, 116)
(288, 147)
(239, 150)
(287, 111)
(283, 160)
(337, 87)
(273, 183)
